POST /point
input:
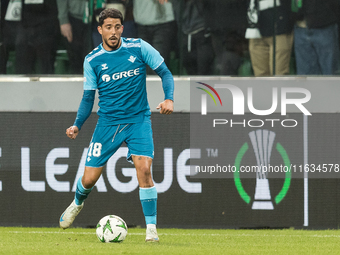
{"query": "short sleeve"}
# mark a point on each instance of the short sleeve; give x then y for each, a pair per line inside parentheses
(150, 55)
(90, 80)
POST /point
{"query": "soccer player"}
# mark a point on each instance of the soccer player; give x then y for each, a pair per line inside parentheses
(117, 68)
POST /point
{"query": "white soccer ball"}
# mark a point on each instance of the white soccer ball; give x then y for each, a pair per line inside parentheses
(111, 229)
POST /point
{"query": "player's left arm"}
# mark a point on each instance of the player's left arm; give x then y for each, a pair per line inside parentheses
(167, 106)
(152, 57)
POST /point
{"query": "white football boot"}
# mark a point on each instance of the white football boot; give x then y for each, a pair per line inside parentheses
(151, 234)
(68, 216)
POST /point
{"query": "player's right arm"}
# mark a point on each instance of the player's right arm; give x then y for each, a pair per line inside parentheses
(86, 104)
(84, 111)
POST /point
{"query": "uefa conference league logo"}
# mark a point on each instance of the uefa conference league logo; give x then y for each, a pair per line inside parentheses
(262, 141)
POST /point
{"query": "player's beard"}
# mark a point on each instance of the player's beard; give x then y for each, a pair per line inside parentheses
(112, 46)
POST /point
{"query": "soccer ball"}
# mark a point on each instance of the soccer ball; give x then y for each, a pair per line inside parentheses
(111, 229)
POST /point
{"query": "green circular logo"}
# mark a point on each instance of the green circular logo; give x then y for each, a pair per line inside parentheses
(237, 178)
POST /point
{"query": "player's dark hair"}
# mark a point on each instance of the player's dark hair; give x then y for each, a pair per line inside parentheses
(110, 13)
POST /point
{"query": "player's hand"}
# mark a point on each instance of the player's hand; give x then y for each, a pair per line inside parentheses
(66, 31)
(72, 132)
(162, 1)
(167, 107)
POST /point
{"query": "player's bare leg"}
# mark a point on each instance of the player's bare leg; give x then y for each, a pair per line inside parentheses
(147, 195)
(84, 187)
(143, 165)
(91, 176)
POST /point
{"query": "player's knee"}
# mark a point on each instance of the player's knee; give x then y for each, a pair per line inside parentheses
(145, 172)
(88, 182)
(145, 179)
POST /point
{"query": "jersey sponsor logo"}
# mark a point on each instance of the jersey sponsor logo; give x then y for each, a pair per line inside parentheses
(124, 74)
(106, 77)
(104, 66)
(132, 59)
(130, 73)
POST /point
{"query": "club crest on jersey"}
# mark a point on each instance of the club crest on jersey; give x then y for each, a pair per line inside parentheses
(104, 66)
(132, 59)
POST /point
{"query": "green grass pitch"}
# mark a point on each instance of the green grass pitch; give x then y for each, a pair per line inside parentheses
(18, 240)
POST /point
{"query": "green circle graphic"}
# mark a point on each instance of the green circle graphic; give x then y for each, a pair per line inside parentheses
(237, 178)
